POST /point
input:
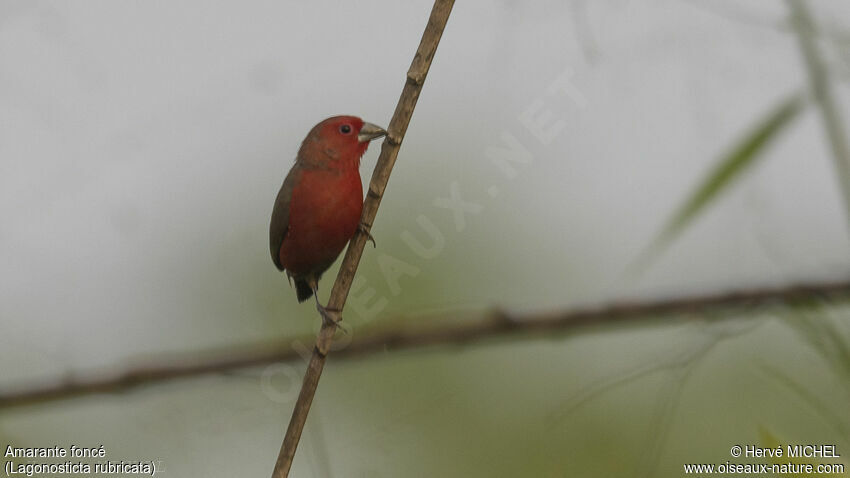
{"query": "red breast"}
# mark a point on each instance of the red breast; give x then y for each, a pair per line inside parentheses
(323, 215)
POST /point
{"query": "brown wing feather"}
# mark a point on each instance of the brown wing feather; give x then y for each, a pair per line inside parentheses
(280, 215)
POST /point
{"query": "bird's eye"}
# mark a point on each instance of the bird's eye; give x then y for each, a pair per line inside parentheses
(345, 129)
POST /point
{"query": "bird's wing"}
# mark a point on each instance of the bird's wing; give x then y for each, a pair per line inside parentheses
(280, 215)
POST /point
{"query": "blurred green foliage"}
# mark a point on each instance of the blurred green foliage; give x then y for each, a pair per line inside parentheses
(731, 166)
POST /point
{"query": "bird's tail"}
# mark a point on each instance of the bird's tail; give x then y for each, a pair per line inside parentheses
(302, 290)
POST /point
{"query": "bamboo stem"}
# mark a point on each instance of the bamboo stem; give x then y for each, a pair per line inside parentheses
(389, 152)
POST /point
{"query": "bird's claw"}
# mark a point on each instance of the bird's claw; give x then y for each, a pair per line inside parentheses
(365, 230)
(331, 317)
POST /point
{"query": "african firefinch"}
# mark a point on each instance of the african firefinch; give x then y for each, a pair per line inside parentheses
(318, 207)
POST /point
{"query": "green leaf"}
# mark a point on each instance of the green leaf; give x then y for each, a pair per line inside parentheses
(730, 167)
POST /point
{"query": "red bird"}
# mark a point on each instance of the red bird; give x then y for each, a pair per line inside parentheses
(318, 207)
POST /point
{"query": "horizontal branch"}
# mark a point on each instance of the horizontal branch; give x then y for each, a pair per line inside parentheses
(493, 324)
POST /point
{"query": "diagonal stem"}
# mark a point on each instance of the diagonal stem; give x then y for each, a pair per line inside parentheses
(821, 86)
(389, 152)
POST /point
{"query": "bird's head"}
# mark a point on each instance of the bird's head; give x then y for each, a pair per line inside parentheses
(339, 138)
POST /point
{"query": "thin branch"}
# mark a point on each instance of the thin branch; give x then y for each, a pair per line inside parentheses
(451, 331)
(389, 152)
(821, 87)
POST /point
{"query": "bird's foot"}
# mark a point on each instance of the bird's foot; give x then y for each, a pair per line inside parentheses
(331, 317)
(365, 230)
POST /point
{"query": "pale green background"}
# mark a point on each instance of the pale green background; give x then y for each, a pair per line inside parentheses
(143, 143)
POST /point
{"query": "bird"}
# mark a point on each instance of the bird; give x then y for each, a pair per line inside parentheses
(317, 210)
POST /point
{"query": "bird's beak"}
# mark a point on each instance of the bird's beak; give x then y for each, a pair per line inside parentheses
(369, 132)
